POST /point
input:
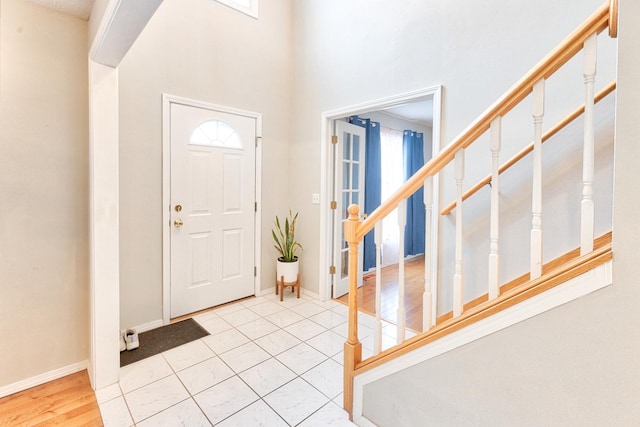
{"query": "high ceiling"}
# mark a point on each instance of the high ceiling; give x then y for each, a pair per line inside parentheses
(421, 112)
(416, 111)
(78, 8)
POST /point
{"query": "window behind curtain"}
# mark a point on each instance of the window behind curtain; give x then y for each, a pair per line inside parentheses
(392, 179)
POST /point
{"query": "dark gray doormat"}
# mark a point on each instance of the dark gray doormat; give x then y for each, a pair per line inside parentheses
(162, 339)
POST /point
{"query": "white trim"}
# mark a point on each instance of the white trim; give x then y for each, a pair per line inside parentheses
(104, 254)
(104, 247)
(251, 11)
(167, 100)
(154, 324)
(436, 137)
(328, 117)
(268, 291)
(103, 28)
(308, 293)
(363, 422)
(120, 26)
(588, 282)
(42, 378)
(303, 291)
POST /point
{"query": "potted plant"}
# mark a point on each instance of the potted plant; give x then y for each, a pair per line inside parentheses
(287, 271)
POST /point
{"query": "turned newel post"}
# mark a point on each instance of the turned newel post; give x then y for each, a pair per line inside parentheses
(352, 347)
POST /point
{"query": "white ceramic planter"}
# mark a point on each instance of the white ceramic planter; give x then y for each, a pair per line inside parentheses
(287, 269)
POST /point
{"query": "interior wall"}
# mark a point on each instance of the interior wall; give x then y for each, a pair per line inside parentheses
(44, 182)
(395, 122)
(97, 13)
(203, 50)
(346, 54)
(574, 365)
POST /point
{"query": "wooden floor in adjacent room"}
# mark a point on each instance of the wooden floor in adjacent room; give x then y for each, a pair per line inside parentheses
(68, 401)
(413, 290)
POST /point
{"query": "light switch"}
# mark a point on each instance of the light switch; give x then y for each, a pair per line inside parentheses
(315, 198)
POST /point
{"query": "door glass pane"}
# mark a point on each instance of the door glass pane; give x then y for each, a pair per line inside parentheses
(215, 133)
(355, 198)
(346, 154)
(345, 264)
(356, 147)
(355, 170)
(346, 201)
(346, 176)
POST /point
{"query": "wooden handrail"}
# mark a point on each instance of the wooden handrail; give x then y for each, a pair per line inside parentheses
(529, 148)
(508, 299)
(613, 18)
(596, 23)
(355, 230)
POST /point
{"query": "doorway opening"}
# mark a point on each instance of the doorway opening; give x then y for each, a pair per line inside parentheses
(418, 111)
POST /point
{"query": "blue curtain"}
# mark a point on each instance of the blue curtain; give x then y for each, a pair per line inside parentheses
(372, 181)
(413, 153)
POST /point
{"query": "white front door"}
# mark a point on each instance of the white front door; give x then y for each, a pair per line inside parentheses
(348, 189)
(212, 207)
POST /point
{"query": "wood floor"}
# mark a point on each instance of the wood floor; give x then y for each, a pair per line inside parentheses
(68, 401)
(413, 290)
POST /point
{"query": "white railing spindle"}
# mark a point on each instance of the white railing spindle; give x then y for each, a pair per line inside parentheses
(536, 202)
(587, 205)
(427, 296)
(457, 277)
(494, 253)
(402, 221)
(377, 337)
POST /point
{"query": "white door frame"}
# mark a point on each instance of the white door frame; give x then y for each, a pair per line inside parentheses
(328, 117)
(115, 25)
(167, 100)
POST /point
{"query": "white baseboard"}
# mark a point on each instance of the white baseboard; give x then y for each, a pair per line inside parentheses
(268, 291)
(590, 281)
(308, 293)
(148, 326)
(363, 422)
(303, 291)
(42, 378)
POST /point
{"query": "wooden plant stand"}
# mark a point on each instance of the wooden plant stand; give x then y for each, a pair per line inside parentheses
(282, 284)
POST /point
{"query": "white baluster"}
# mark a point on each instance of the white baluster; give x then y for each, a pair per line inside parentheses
(427, 297)
(587, 205)
(402, 221)
(494, 253)
(536, 202)
(457, 277)
(377, 337)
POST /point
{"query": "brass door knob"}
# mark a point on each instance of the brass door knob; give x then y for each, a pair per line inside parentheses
(178, 223)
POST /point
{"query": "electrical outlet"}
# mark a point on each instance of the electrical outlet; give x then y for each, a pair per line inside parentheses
(315, 198)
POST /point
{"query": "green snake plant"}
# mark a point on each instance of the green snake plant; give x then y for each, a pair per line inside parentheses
(284, 239)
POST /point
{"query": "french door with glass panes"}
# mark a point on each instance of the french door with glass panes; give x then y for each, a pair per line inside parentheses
(348, 188)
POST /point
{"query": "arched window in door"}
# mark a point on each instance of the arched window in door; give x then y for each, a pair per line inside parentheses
(215, 133)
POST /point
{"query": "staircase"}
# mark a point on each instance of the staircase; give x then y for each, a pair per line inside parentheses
(473, 287)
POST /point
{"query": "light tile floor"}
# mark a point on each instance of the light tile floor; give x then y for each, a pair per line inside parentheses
(266, 363)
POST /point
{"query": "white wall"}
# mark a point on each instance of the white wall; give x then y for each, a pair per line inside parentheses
(351, 52)
(397, 123)
(44, 184)
(574, 365)
(97, 13)
(203, 50)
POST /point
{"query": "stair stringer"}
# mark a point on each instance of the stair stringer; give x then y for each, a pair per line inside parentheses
(579, 286)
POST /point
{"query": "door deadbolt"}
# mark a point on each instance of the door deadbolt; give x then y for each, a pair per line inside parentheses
(178, 208)
(178, 223)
